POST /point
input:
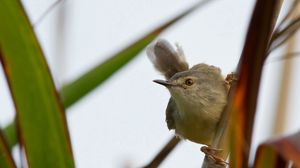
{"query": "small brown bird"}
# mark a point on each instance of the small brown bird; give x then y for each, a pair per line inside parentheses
(198, 94)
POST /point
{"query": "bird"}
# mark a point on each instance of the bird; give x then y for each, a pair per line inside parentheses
(198, 94)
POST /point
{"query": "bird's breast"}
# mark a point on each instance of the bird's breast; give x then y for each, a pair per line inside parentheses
(196, 122)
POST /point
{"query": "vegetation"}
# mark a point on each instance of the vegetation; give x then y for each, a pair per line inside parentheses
(39, 108)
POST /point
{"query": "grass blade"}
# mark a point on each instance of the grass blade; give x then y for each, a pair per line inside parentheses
(6, 160)
(243, 103)
(74, 91)
(77, 89)
(240, 110)
(40, 115)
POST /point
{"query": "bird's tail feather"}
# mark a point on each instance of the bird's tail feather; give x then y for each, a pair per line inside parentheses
(166, 59)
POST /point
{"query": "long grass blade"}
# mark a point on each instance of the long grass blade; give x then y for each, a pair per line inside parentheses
(40, 115)
(77, 89)
(240, 109)
(243, 104)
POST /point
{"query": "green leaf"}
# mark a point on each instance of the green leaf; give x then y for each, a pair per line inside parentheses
(6, 160)
(40, 115)
(84, 84)
(74, 91)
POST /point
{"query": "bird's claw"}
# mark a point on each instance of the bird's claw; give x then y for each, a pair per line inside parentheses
(213, 154)
(230, 78)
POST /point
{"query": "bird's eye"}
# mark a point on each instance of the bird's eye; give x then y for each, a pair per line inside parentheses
(189, 82)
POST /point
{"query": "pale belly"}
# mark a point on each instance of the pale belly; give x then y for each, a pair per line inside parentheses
(196, 126)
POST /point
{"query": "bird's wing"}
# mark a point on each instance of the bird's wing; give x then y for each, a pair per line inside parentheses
(166, 59)
(170, 111)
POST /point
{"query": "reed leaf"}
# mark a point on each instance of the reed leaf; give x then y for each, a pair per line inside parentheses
(40, 115)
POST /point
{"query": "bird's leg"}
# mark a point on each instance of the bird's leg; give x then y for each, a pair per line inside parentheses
(230, 78)
(213, 154)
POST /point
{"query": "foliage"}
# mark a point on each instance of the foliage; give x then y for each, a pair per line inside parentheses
(40, 120)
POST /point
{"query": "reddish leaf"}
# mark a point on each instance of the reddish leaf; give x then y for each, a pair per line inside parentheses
(243, 104)
(279, 152)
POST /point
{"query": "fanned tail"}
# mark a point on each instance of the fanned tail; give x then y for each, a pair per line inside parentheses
(165, 59)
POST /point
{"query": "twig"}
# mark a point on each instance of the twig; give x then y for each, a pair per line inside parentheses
(163, 153)
(285, 18)
(282, 36)
(242, 103)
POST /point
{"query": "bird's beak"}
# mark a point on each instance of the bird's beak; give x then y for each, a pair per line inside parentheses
(164, 83)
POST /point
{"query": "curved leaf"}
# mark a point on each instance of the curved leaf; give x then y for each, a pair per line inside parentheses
(243, 102)
(40, 115)
(278, 153)
(74, 91)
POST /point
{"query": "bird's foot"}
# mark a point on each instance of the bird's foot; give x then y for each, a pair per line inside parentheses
(213, 154)
(230, 78)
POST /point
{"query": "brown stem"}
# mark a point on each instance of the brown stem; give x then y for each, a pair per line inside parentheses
(163, 153)
(239, 114)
